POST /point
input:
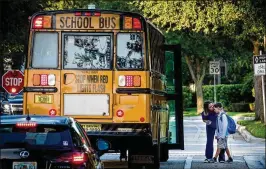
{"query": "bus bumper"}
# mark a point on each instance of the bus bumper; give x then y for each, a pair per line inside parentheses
(121, 136)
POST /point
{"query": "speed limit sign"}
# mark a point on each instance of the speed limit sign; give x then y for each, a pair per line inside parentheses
(214, 68)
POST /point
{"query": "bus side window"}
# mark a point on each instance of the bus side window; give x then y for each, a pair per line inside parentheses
(45, 50)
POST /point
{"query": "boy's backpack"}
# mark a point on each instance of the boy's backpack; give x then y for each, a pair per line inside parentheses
(231, 127)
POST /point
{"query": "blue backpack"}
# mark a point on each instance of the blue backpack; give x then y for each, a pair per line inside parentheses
(231, 128)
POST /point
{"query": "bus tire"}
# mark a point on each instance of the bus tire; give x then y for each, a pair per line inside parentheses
(164, 152)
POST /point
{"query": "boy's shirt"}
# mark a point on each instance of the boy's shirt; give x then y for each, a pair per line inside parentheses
(221, 130)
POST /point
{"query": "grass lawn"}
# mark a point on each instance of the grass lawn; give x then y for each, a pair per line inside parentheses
(256, 128)
(243, 114)
(188, 112)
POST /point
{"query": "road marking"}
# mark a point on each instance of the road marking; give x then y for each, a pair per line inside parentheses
(188, 162)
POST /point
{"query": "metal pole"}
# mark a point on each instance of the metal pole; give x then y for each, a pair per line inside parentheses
(214, 88)
(263, 97)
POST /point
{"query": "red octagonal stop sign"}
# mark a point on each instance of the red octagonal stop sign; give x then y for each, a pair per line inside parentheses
(13, 81)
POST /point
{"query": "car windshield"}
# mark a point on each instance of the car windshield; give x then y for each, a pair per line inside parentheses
(41, 135)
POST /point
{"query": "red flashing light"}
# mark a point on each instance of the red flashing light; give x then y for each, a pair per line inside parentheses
(26, 125)
(77, 13)
(136, 23)
(120, 113)
(38, 22)
(87, 14)
(97, 14)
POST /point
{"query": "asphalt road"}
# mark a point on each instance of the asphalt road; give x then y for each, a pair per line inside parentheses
(246, 155)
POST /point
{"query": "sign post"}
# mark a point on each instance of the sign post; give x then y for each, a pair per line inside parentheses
(259, 62)
(214, 70)
(13, 81)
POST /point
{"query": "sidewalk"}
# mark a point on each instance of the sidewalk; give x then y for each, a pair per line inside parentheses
(241, 129)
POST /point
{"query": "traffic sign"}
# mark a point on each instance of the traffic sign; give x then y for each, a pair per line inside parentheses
(259, 65)
(13, 81)
(214, 67)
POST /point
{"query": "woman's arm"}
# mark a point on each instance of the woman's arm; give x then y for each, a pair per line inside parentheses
(204, 117)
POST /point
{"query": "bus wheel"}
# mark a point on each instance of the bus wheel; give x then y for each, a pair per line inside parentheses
(164, 152)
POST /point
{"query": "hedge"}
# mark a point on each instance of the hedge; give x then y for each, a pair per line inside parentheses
(187, 97)
(234, 97)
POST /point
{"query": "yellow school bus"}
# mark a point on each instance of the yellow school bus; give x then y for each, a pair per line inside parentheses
(107, 70)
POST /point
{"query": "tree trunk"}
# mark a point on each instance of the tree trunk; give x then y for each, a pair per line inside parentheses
(258, 88)
(199, 94)
(197, 72)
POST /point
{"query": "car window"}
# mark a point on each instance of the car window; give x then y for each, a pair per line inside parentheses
(82, 137)
(76, 138)
(41, 135)
(82, 131)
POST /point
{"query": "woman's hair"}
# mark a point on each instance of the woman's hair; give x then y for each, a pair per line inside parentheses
(206, 107)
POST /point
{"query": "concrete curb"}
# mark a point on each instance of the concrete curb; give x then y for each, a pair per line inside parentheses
(262, 160)
(247, 136)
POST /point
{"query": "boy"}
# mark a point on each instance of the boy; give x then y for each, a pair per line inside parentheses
(221, 133)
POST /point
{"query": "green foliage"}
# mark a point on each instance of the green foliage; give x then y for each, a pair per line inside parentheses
(240, 107)
(228, 94)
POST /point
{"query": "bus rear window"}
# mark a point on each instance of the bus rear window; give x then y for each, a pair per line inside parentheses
(42, 135)
(87, 51)
(45, 50)
(130, 51)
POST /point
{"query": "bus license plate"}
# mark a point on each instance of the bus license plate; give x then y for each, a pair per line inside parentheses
(24, 165)
(92, 127)
(48, 99)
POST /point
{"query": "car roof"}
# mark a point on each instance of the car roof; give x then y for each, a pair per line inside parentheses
(53, 120)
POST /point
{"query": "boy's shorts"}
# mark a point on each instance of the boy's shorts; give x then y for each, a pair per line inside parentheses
(222, 143)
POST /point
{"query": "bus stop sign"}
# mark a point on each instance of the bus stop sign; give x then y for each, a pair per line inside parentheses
(13, 81)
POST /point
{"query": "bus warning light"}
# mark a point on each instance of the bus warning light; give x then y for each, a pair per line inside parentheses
(136, 23)
(37, 22)
(40, 22)
(78, 14)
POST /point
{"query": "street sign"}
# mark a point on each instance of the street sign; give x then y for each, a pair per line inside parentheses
(214, 67)
(259, 65)
(13, 81)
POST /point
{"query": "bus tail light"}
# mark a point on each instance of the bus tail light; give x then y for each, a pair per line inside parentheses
(41, 22)
(142, 119)
(52, 112)
(119, 113)
(129, 81)
(43, 80)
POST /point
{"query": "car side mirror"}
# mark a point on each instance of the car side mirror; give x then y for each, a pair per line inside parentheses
(102, 145)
